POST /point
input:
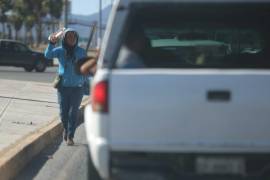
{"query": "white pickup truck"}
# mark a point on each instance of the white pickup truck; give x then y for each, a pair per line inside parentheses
(176, 88)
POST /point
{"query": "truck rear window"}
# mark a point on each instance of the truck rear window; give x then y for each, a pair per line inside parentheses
(216, 35)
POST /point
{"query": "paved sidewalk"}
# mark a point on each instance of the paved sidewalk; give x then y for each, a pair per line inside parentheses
(24, 107)
(29, 121)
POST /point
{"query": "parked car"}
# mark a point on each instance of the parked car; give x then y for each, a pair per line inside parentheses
(15, 53)
(153, 110)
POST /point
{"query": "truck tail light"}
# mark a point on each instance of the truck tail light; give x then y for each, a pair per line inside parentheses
(100, 97)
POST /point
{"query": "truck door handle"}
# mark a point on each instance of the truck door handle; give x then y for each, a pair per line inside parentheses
(219, 95)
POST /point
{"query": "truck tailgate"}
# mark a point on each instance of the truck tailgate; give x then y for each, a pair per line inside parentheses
(190, 110)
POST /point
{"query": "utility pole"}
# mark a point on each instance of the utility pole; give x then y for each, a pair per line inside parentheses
(100, 22)
(65, 13)
(92, 32)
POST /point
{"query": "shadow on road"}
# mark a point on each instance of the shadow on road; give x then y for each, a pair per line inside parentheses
(38, 162)
(46, 164)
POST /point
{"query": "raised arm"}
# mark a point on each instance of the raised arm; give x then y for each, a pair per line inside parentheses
(51, 51)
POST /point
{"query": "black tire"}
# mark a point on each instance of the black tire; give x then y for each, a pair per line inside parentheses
(28, 68)
(40, 66)
(92, 172)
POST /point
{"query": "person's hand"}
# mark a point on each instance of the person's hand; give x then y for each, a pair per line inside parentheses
(52, 38)
(90, 66)
(97, 54)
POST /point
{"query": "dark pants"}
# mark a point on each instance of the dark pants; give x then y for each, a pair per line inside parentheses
(69, 99)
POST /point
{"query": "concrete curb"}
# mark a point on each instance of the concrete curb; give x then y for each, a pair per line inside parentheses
(14, 159)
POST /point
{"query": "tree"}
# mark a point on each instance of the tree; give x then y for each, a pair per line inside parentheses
(5, 6)
(55, 10)
(40, 10)
(18, 16)
(29, 24)
(33, 12)
(17, 22)
(23, 8)
(30, 13)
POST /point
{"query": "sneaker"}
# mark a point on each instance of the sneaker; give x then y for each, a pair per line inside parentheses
(70, 142)
(65, 135)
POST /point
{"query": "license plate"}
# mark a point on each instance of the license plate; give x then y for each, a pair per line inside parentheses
(220, 165)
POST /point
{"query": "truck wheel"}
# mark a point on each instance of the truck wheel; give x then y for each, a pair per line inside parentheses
(92, 172)
(28, 68)
(40, 66)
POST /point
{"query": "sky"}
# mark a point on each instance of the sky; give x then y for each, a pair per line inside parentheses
(86, 7)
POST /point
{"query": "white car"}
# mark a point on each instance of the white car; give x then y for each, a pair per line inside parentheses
(198, 115)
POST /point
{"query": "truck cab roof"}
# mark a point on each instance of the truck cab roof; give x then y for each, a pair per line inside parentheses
(126, 2)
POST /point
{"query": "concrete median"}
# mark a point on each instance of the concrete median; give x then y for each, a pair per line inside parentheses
(15, 157)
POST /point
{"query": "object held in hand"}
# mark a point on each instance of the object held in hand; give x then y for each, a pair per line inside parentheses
(55, 36)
